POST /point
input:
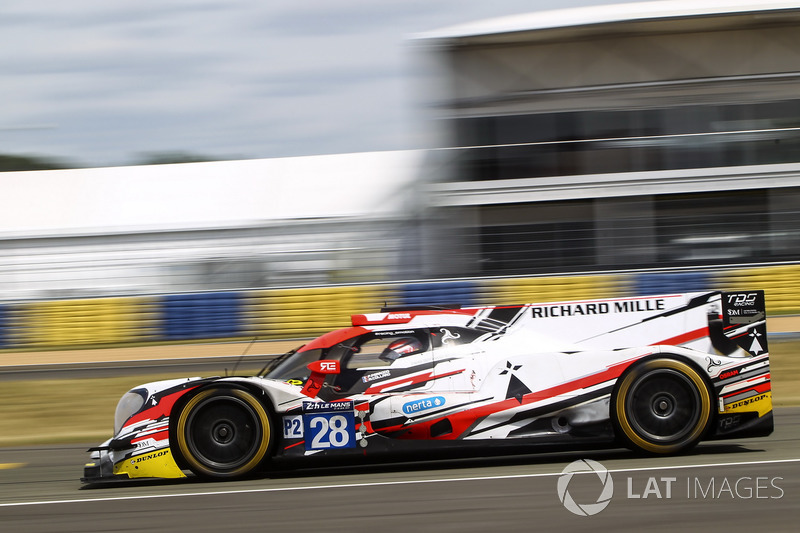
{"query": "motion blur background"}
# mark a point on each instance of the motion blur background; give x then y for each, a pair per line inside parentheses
(597, 151)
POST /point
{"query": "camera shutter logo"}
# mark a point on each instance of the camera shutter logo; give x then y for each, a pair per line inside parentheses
(584, 466)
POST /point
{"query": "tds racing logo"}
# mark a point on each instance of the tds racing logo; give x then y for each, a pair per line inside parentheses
(743, 307)
(742, 299)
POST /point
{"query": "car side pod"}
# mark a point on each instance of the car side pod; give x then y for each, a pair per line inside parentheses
(319, 371)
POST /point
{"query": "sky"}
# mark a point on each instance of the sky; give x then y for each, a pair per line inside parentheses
(105, 83)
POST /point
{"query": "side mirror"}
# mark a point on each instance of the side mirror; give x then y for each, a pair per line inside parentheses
(319, 369)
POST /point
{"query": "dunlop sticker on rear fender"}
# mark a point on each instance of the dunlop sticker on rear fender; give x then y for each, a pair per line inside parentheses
(762, 403)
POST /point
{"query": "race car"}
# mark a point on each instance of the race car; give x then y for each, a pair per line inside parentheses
(655, 373)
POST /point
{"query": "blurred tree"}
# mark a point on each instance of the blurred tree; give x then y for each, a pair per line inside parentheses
(12, 163)
(166, 158)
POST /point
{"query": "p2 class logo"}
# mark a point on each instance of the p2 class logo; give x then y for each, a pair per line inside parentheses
(585, 466)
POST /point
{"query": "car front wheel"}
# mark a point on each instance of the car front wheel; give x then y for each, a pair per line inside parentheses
(223, 433)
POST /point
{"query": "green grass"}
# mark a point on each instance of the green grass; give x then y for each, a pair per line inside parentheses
(784, 361)
(82, 410)
(62, 410)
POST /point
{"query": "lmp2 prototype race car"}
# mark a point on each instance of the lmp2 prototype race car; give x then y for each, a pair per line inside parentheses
(657, 374)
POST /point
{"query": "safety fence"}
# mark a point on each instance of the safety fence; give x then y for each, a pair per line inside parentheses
(310, 311)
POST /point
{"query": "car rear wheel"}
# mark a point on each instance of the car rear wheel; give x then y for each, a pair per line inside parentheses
(661, 406)
(223, 433)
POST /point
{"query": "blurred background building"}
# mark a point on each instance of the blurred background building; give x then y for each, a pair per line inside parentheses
(593, 139)
(639, 135)
(207, 226)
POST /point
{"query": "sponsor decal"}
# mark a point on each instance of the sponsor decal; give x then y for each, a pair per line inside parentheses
(447, 336)
(637, 306)
(146, 443)
(755, 346)
(747, 401)
(375, 376)
(599, 308)
(729, 374)
(155, 464)
(149, 456)
(394, 333)
(742, 299)
(743, 307)
(417, 406)
(760, 404)
(729, 422)
(329, 407)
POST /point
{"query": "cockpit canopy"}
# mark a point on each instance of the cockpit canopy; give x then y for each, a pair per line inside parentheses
(363, 353)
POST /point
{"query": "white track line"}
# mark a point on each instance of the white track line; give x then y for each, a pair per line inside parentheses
(381, 483)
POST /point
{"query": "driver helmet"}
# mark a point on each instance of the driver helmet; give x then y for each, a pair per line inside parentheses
(401, 347)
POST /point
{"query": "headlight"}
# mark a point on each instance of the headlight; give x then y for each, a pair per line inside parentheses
(128, 406)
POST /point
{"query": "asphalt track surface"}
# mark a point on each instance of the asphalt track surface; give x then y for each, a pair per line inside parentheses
(745, 485)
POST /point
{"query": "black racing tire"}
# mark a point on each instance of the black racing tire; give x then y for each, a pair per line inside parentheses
(223, 433)
(661, 406)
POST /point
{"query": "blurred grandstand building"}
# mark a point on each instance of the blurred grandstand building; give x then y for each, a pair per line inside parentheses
(619, 136)
(207, 226)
